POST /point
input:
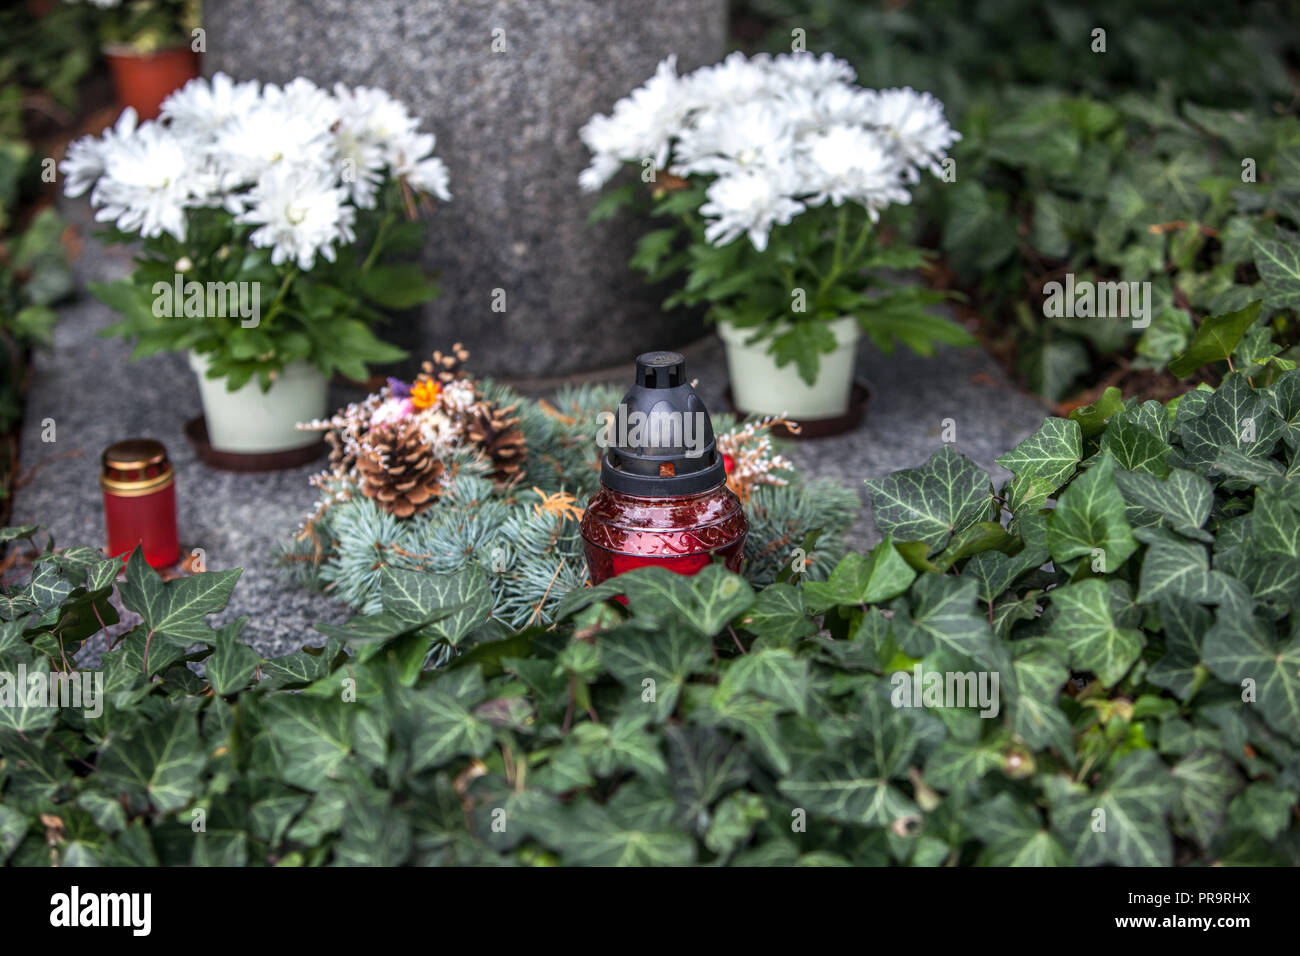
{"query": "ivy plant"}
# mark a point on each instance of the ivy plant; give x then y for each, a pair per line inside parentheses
(1132, 587)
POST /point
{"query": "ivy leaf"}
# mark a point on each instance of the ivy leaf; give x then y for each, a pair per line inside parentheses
(1215, 339)
(1262, 807)
(954, 764)
(1175, 569)
(1207, 782)
(779, 615)
(1180, 670)
(232, 664)
(771, 672)
(444, 724)
(311, 737)
(1122, 819)
(848, 788)
(942, 614)
(1238, 648)
(1049, 454)
(1040, 671)
(623, 745)
(1279, 266)
(590, 836)
(705, 602)
(878, 576)
(1089, 519)
(1236, 414)
(947, 494)
(1136, 448)
(665, 659)
(159, 765)
(176, 610)
(703, 766)
(420, 599)
(1015, 835)
(1182, 500)
(1086, 621)
(1285, 396)
(1092, 418)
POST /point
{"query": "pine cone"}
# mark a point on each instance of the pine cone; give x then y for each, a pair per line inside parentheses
(446, 368)
(496, 431)
(398, 470)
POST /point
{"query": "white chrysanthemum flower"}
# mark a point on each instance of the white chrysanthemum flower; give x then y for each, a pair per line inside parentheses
(84, 162)
(734, 138)
(737, 79)
(410, 158)
(851, 163)
(301, 211)
(641, 126)
(750, 202)
(916, 124)
(273, 132)
(145, 185)
(201, 108)
(372, 114)
(811, 72)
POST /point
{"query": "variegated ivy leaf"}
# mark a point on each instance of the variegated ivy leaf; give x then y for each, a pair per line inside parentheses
(1094, 619)
(877, 576)
(1135, 448)
(1015, 835)
(1089, 522)
(1180, 671)
(1278, 263)
(176, 610)
(1048, 455)
(1040, 670)
(1274, 525)
(1285, 396)
(1120, 820)
(160, 765)
(1237, 415)
(1178, 570)
(947, 494)
(1242, 650)
(1207, 781)
(1182, 500)
(940, 611)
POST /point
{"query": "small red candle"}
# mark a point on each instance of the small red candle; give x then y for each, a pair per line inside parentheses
(140, 501)
(664, 498)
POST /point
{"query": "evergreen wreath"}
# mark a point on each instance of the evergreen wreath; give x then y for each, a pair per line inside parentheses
(451, 472)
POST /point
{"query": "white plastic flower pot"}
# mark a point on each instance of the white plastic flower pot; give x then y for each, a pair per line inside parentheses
(249, 420)
(759, 387)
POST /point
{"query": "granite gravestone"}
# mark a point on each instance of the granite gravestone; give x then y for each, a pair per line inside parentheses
(505, 85)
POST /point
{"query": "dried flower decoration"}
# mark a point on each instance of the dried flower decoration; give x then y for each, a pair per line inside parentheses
(752, 456)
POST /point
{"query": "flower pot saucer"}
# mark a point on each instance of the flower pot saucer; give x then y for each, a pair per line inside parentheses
(196, 431)
(821, 427)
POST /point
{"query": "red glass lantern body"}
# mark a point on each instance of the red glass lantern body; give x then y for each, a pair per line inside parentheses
(622, 531)
(140, 502)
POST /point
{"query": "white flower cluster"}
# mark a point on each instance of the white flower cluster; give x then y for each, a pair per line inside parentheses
(778, 134)
(295, 161)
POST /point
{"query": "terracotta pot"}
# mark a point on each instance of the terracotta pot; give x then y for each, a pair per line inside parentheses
(144, 80)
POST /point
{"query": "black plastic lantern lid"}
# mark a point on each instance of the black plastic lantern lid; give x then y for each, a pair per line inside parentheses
(662, 438)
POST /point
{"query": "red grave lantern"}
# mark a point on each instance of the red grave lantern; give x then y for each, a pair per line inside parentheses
(664, 498)
(140, 501)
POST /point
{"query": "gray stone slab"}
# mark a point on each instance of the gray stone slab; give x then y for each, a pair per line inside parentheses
(507, 124)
